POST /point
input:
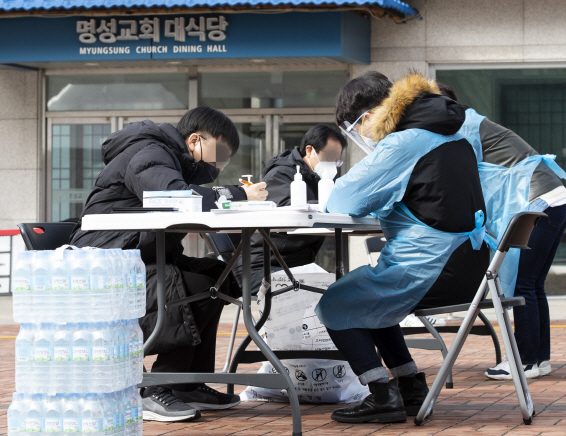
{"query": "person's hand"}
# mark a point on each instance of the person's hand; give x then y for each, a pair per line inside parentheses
(256, 191)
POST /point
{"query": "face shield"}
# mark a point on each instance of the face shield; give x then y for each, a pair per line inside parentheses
(365, 143)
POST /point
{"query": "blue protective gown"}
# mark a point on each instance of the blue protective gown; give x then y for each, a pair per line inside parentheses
(415, 253)
(506, 193)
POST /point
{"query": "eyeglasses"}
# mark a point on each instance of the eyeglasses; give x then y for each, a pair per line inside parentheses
(223, 153)
(366, 144)
(338, 162)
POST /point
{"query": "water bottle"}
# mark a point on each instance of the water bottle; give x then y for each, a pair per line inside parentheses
(139, 348)
(24, 358)
(118, 397)
(132, 416)
(125, 355)
(82, 355)
(42, 358)
(108, 420)
(128, 422)
(102, 358)
(140, 284)
(72, 414)
(116, 411)
(100, 285)
(118, 282)
(41, 292)
(21, 287)
(34, 420)
(16, 415)
(62, 357)
(92, 416)
(80, 301)
(140, 411)
(53, 413)
(61, 284)
(130, 265)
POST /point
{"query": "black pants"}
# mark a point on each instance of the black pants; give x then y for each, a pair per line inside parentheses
(457, 284)
(199, 358)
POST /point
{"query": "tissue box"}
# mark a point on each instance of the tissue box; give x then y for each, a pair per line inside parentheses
(185, 201)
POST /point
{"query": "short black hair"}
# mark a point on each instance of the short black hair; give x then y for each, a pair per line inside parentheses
(318, 136)
(212, 121)
(361, 94)
(446, 90)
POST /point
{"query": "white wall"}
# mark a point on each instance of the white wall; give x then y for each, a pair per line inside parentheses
(18, 147)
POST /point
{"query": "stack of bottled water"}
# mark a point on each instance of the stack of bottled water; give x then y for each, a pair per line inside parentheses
(82, 285)
(79, 353)
(79, 358)
(113, 414)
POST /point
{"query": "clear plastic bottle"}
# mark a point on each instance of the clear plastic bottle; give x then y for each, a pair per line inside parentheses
(139, 349)
(118, 282)
(16, 414)
(41, 292)
(34, 420)
(61, 284)
(128, 421)
(62, 358)
(21, 287)
(102, 358)
(140, 411)
(108, 420)
(100, 285)
(42, 359)
(124, 355)
(140, 284)
(130, 283)
(24, 358)
(53, 412)
(80, 301)
(92, 415)
(119, 398)
(82, 355)
(116, 411)
(133, 405)
(72, 414)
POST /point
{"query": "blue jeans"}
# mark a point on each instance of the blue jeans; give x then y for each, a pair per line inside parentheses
(532, 321)
(358, 347)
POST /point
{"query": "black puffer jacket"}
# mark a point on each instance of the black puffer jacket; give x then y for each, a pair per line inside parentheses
(295, 250)
(147, 157)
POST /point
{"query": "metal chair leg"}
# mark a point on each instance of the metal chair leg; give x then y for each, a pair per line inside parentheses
(444, 350)
(232, 340)
(494, 337)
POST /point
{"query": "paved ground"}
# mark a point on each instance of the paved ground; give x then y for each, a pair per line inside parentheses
(475, 406)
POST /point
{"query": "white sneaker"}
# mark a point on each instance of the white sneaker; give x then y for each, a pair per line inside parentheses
(544, 367)
(411, 321)
(503, 371)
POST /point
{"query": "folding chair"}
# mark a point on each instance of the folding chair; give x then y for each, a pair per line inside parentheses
(516, 236)
(46, 236)
(375, 245)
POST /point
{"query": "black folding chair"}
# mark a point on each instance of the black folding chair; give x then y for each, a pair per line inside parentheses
(46, 236)
(516, 236)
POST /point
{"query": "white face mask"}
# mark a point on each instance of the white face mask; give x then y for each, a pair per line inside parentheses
(326, 170)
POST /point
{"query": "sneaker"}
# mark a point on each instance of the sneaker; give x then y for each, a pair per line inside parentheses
(162, 405)
(503, 371)
(205, 398)
(544, 367)
(412, 321)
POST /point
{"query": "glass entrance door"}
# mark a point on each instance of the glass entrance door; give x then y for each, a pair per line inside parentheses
(75, 160)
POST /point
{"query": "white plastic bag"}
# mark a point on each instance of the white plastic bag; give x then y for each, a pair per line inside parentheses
(293, 325)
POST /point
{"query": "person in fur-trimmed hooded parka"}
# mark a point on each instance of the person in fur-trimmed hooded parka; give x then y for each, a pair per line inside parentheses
(421, 180)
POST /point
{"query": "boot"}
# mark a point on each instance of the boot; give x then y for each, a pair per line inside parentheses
(384, 404)
(413, 390)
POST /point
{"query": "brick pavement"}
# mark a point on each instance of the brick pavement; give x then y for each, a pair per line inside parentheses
(475, 405)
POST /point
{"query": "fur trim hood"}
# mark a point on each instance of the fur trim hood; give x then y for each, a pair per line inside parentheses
(385, 118)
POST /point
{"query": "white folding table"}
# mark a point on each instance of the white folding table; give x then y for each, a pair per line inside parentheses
(246, 223)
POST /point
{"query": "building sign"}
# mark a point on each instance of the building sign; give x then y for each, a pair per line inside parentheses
(339, 35)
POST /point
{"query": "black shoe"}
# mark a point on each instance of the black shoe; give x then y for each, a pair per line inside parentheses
(383, 405)
(205, 398)
(414, 391)
(159, 404)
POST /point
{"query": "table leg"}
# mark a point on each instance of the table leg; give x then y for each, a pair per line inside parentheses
(339, 254)
(246, 291)
(160, 243)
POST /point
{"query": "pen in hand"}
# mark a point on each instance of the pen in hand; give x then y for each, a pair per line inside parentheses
(246, 182)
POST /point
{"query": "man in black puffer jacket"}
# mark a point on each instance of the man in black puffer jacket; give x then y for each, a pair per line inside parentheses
(320, 144)
(146, 157)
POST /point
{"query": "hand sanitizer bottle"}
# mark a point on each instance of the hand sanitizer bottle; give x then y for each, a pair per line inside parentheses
(298, 190)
